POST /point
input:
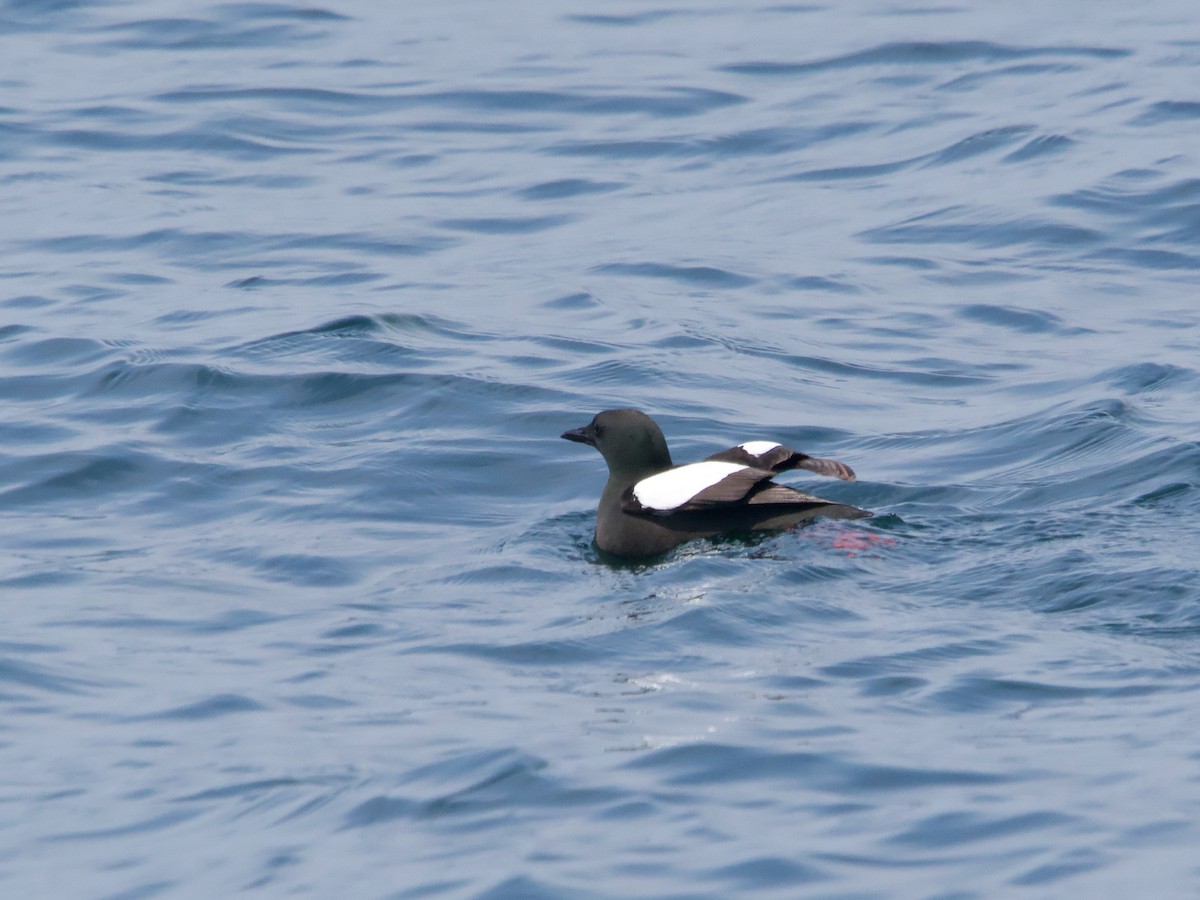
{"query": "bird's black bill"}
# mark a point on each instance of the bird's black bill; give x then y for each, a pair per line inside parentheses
(580, 435)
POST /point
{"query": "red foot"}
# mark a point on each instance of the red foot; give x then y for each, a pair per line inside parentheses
(853, 541)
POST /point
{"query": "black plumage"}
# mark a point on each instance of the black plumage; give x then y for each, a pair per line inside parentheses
(650, 505)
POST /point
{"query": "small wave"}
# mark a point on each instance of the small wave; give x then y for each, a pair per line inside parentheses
(1168, 111)
(26, 676)
(1030, 321)
(958, 225)
(509, 225)
(1151, 377)
(243, 25)
(216, 706)
(1152, 217)
(981, 142)
(712, 763)
(671, 102)
(60, 353)
(214, 141)
(231, 248)
(305, 569)
(625, 149)
(954, 829)
(567, 188)
(626, 20)
(921, 53)
(471, 784)
(975, 80)
(1039, 146)
(690, 275)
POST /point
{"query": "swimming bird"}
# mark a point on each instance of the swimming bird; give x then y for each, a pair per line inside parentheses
(650, 505)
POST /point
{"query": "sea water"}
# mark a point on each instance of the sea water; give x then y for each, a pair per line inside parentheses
(299, 596)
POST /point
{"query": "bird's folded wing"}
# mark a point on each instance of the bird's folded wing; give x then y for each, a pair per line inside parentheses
(783, 498)
(708, 485)
(778, 458)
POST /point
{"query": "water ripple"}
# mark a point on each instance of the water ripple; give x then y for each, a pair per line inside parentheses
(930, 53)
(695, 764)
(298, 570)
(234, 25)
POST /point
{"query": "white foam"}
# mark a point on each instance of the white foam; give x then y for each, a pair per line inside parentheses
(671, 489)
(758, 448)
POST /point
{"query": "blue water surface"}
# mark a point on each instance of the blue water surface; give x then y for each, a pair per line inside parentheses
(298, 587)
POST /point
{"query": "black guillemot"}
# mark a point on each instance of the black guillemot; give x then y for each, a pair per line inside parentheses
(650, 505)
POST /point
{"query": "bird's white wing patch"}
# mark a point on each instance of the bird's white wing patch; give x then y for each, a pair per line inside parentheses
(758, 448)
(671, 489)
